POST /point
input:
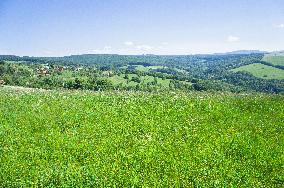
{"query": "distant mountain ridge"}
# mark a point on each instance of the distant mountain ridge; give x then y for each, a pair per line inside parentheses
(277, 53)
(242, 52)
(238, 52)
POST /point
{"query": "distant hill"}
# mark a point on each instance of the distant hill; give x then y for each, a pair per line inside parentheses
(271, 66)
(231, 72)
(276, 53)
(243, 52)
(262, 71)
(275, 59)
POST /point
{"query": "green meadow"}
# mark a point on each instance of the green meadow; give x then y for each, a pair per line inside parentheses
(140, 139)
(262, 71)
(119, 79)
(274, 59)
(146, 69)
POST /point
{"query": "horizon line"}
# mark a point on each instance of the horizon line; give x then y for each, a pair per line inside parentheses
(149, 54)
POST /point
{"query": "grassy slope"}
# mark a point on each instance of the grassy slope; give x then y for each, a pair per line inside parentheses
(146, 69)
(274, 59)
(262, 71)
(116, 80)
(54, 138)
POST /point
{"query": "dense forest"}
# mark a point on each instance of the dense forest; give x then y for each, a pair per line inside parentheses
(137, 72)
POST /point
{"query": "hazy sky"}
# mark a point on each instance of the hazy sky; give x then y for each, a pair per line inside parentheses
(63, 27)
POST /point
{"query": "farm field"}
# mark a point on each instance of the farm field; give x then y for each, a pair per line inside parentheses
(145, 69)
(148, 68)
(262, 71)
(116, 80)
(140, 139)
(274, 59)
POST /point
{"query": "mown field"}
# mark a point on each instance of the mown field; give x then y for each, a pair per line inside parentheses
(262, 71)
(274, 59)
(85, 139)
(143, 68)
(119, 79)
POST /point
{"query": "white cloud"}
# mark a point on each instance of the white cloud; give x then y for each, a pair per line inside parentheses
(144, 47)
(233, 39)
(128, 43)
(165, 43)
(279, 25)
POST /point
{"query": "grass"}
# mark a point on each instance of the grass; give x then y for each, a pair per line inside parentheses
(274, 59)
(262, 71)
(164, 83)
(84, 139)
(180, 70)
(116, 80)
(66, 75)
(16, 62)
(146, 69)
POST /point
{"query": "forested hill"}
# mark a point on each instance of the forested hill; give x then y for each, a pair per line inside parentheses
(116, 60)
(223, 72)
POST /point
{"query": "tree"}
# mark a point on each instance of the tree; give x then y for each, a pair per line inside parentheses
(126, 77)
(155, 81)
(136, 79)
(103, 84)
(77, 84)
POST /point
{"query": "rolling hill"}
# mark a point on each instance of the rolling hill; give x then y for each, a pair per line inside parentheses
(274, 59)
(262, 71)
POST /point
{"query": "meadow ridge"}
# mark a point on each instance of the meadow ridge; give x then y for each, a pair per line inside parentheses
(274, 59)
(262, 71)
(140, 139)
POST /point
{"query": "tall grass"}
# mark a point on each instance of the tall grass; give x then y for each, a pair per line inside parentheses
(81, 139)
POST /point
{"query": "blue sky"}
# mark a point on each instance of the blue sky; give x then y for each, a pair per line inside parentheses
(64, 27)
